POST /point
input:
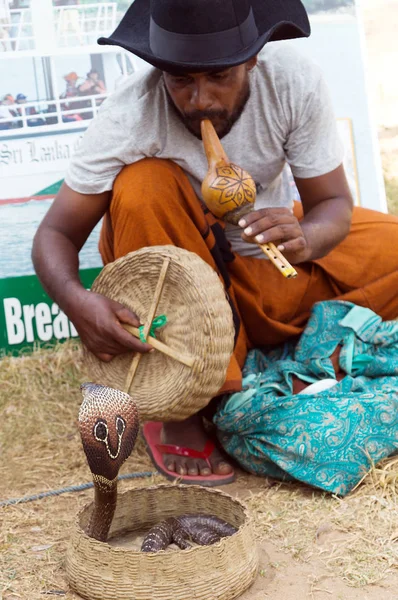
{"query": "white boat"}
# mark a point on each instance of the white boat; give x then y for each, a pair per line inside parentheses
(42, 41)
(46, 50)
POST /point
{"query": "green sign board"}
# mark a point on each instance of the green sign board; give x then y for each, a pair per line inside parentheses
(29, 317)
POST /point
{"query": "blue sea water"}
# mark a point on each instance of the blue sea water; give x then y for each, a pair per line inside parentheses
(18, 225)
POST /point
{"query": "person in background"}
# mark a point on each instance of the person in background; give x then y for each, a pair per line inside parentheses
(20, 99)
(7, 110)
(9, 101)
(71, 91)
(30, 110)
(93, 85)
(5, 115)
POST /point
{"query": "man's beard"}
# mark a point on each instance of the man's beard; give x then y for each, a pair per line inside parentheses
(222, 121)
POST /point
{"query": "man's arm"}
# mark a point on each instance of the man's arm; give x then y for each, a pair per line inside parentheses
(56, 246)
(100, 87)
(85, 86)
(327, 205)
(312, 146)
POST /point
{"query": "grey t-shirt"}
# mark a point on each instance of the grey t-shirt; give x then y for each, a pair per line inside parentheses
(287, 119)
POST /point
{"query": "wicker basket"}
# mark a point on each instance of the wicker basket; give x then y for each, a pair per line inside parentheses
(199, 325)
(99, 571)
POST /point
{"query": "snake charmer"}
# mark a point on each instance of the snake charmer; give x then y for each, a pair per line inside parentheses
(140, 166)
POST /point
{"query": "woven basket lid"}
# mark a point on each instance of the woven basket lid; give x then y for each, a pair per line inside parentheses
(199, 325)
(223, 571)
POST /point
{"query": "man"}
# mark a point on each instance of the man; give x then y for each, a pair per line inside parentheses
(92, 85)
(267, 110)
(6, 113)
(71, 91)
(31, 110)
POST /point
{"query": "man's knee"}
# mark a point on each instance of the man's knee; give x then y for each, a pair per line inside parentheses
(149, 181)
(155, 190)
(150, 186)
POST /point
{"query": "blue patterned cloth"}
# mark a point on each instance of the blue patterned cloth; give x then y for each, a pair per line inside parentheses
(328, 440)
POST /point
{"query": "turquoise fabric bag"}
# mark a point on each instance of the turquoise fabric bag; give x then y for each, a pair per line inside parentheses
(330, 439)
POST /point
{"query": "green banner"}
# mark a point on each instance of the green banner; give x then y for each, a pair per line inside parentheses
(29, 317)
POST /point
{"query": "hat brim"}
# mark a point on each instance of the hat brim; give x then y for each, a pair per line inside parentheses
(275, 19)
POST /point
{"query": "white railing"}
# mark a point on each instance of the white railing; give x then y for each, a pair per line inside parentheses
(48, 115)
(17, 32)
(83, 24)
(74, 25)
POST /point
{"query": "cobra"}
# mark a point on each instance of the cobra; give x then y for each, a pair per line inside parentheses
(108, 425)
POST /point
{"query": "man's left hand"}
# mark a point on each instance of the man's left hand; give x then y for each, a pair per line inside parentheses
(280, 226)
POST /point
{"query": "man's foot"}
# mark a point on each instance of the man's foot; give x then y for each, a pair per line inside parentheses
(191, 434)
(188, 456)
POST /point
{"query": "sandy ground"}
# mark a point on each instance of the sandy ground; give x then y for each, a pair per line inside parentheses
(286, 576)
(284, 579)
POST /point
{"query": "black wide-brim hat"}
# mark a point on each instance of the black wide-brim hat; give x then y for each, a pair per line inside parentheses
(202, 35)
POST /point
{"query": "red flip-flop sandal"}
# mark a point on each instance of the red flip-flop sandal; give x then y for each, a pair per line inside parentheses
(152, 435)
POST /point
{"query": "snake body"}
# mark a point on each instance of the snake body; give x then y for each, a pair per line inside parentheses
(109, 424)
(163, 534)
(199, 528)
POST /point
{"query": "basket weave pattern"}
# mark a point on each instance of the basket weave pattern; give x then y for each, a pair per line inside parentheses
(199, 324)
(223, 571)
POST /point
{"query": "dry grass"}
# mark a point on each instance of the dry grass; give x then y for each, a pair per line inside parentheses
(388, 139)
(356, 538)
(41, 450)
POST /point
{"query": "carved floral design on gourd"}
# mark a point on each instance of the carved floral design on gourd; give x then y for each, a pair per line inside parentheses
(234, 184)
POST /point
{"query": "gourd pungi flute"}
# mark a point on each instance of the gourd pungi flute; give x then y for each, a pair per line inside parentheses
(229, 192)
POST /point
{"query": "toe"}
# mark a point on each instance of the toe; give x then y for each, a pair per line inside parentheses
(204, 469)
(219, 465)
(174, 465)
(181, 468)
(170, 464)
(193, 470)
(222, 468)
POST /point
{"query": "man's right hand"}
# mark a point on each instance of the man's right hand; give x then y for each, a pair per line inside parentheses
(98, 321)
(58, 241)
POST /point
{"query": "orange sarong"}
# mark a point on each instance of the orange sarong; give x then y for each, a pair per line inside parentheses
(154, 204)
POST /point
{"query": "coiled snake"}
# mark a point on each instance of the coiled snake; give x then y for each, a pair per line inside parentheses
(109, 424)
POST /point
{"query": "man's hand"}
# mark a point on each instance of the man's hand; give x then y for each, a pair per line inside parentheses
(98, 323)
(327, 208)
(280, 226)
(57, 243)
